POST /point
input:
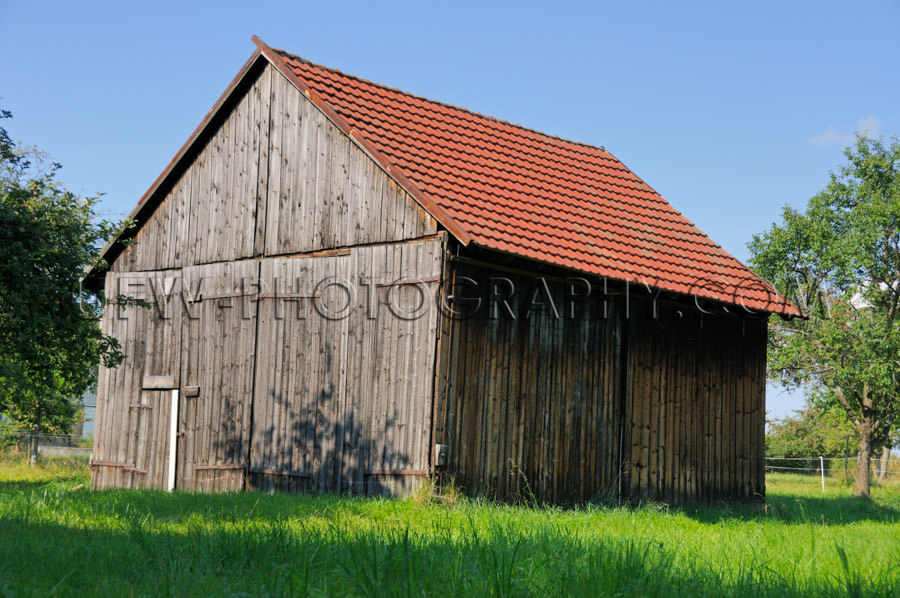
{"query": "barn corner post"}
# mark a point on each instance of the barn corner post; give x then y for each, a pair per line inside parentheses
(438, 433)
(623, 360)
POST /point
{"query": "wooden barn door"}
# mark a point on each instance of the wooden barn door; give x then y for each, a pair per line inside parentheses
(151, 417)
(343, 399)
(217, 362)
(149, 438)
(134, 400)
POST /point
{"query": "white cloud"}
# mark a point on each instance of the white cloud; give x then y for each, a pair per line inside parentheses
(868, 125)
(831, 136)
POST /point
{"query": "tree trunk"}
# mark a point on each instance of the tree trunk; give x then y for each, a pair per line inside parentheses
(32, 461)
(885, 458)
(863, 458)
(35, 437)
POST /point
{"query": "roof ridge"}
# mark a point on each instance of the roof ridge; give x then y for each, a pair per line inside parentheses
(440, 103)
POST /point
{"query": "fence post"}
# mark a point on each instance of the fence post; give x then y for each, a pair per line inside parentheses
(822, 469)
(846, 455)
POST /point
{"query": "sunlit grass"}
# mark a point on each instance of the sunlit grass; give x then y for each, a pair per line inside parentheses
(57, 538)
(54, 470)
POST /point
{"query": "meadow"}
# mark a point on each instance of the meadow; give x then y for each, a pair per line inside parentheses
(57, 538)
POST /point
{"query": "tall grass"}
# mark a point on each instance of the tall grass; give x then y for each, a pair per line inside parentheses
(57, 538)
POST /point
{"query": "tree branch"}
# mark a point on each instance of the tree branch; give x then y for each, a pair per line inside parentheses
(845, 404)
(887, 415)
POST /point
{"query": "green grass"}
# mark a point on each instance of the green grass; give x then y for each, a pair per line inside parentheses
(57, 538)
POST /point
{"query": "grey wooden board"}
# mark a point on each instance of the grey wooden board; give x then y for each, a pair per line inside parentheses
(158, 382)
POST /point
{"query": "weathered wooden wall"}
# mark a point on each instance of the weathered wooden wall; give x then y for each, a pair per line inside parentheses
(608, 402)
(276, 177)
(273, 193)
(131, 432)
(695, 407)
(218, 355)
(345, 404)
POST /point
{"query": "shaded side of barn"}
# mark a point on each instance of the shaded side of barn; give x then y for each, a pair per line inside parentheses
(560, 395)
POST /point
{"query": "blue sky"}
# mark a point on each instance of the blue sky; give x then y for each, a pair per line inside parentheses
(728, 110)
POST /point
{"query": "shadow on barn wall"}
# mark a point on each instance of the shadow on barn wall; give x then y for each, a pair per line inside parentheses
(328, 450)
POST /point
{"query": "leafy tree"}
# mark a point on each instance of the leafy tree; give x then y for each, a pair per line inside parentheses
(809, 433)
(840, 259)
(892, 439)
(50, 337)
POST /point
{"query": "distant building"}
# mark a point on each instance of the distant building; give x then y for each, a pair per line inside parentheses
(89, 401)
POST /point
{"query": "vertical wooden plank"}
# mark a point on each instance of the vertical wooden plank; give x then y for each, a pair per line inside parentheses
(218, 222)
(187, 417)
(264, 386)
(275, 160)
(652, 425)
(322, 394)
(262, 92)
(441, 384)
(241, 197)
(340, 194)
(182, 202)
(136, 437)
(686, 423)
(722, 423)
(344, 274)
(671, 446)
(324, 142)
(638, 403)
(695, 417)
(356, 360)
(374, 218)
(293, 229)
(289, 369)
(392, 387)
(355, 197)
(106, 390)
(761, 406)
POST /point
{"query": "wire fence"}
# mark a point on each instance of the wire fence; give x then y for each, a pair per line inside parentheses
(821, 468)
(24, 440)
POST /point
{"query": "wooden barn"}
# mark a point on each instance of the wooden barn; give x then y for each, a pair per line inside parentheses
(353, 289)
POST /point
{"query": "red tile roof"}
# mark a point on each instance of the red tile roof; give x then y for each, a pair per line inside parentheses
(523, 192)
(512, 189)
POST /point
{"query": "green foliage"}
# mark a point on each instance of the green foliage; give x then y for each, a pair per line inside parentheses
(810, 432)
(840, 260)
(50, 339)
(9, 433)
(56, 537)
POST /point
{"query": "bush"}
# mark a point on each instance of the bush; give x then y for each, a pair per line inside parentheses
(9, 434)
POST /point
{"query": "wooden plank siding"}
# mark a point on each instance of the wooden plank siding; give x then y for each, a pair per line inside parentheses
(275, 193)
(345, 403)
(276, 178)
(529, 405)
(532, 407)
(218, 355)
